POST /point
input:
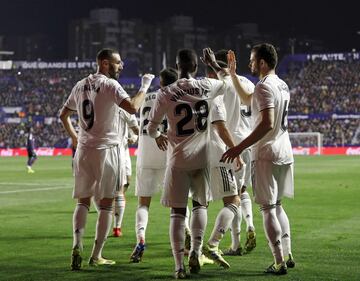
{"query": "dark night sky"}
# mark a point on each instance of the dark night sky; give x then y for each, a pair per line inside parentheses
(336, 24)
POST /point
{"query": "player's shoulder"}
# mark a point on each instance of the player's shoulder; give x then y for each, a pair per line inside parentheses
(104, 81)
(81, 82)
(245, 79)
(263, 85)
(209, 83)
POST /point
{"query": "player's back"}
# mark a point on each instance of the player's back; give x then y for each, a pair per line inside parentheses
(186, 104)
(30, 143)
(275, 145)
(97, 98)
(238, 115)
(148, 154)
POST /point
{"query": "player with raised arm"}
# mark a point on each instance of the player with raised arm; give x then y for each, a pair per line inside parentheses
(272, 158)
(150, 166)
(97, 99)
(238, 120)
(128, 123)
(186, 105)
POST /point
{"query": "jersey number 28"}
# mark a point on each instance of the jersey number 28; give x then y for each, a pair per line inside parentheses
(201, 112)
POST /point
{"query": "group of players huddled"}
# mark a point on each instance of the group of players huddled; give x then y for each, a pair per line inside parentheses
(204, 139)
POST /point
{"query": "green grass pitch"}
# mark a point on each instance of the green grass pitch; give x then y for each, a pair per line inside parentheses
(36, 227)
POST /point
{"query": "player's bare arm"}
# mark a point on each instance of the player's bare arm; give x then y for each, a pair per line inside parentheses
(266, 125)
(245, 95)
(65, 114)
(133, 104)
(226, 137)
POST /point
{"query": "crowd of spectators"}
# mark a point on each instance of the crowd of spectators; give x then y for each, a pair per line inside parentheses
(46, 135)
(317, 87)
(336, 132)
(324, 87)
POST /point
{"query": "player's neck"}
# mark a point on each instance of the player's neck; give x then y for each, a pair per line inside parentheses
(99, 71)
(185, 74)
(266, 73)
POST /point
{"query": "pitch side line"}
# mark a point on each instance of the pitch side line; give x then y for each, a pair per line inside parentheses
(30, 183)
(35, 189)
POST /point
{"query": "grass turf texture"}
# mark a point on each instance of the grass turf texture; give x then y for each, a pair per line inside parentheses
(36, 227)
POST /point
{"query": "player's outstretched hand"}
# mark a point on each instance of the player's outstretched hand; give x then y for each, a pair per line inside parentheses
(162, 142)
(208, 57)
(231, 154)
(231, 62)
(146, 81)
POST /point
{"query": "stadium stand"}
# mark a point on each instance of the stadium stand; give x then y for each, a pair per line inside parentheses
(325, 98)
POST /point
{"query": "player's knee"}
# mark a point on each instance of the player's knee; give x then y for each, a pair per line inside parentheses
(105, 203)
(144, 201)
(85, 202)
(235, 200)
(178, 211)
(267, 208)
(197, 204)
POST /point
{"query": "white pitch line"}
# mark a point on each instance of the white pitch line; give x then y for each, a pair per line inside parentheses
(30, 183)
(34, 189)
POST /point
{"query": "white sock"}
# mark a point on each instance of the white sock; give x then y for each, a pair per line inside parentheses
(222, 223)
(235, 230)
(285, 230)
(142, 216)
(79, 222)
(246, 208)
(273, 233)
(177, 238)
(120, 204)
(102, 230)
(187, 219)
(198, 224)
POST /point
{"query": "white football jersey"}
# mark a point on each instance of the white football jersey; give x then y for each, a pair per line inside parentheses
(96, 99)
(238, 115)
(275, 146)
(186, 104)
(148, 154)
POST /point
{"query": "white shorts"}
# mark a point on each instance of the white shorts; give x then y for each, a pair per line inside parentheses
(96, 172)
(148, 181)
(271, 182)
(222, 183)
(125, 166)
(243, 177)
(128, 169)
(178, 184)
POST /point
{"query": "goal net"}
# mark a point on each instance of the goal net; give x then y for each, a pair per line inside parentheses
(309, 143)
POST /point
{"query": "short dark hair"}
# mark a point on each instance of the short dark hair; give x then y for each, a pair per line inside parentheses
(222, 64)
(187, 59)
(221, 55)
(266, 52)
(168, 75)
(105, 54)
